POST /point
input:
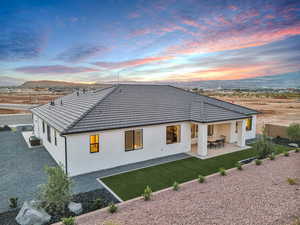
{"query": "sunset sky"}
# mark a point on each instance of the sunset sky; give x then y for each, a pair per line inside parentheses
(147, 40)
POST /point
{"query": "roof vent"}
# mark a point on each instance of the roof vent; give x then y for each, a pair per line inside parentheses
(77, 93)
(61, 102)
(83, 90)
(52, 103)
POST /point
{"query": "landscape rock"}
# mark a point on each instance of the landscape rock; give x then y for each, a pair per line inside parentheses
(294, 145)
(30, 215)
(75, 207)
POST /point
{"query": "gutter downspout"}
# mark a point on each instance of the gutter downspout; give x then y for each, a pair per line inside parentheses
(66, 155)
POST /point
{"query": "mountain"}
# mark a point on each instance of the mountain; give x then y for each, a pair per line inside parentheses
(60, 84)
(10, 81)
(288, 80)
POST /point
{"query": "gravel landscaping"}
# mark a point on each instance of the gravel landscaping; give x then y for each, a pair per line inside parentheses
(255, 195)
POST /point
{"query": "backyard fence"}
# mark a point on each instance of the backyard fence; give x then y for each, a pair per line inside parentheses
(274, 131)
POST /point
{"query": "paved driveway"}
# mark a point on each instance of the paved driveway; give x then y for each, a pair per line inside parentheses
(21, 168)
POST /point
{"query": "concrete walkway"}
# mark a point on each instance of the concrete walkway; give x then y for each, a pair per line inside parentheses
(88, 182)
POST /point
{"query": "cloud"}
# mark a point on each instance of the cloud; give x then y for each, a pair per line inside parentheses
(81, 52)
(131, 63)
(54, 69)
(20, 44)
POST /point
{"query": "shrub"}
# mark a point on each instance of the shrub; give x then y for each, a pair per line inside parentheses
(258, 162)
(147, 193)
(293, 132)
(263, 147)
(239, 166)
(175, 186)
(201, 179)
(222, 172)
(56, 193)
(272, 156)
(286, 153)
(112, 207)
(68, 221)
(291, 181)
(13, 203)
(97, 203)
(297, 150)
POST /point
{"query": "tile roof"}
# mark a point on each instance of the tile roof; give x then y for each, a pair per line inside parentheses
(127, 105)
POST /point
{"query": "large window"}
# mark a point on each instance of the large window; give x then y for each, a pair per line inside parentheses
(133, 139)
(173, 134)
(94, 143)
(48, 133)
(194, 130)
(210, 130)
(249, 124)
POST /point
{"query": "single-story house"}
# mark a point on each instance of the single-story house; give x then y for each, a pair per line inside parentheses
(93, 130)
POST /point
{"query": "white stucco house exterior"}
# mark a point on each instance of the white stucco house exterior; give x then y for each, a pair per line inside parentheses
(123, 124)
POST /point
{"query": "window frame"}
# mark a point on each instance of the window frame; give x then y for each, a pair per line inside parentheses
(96, 143)
(194, 130)
(210, 132)
(178, 137)
(48, 133)
(55, 137)
(43, 126)
(249, 128)
(236, 127)
(134, 140)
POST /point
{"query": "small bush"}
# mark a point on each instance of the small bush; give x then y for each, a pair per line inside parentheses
(258, 162)
(291, 181)
(222, 172)
(272, 156)
(201, 179)
(13, 203)
(293, 132)
(286, 153)
(68, 221)
(297, 150)
(97, 203)
(112, 207)
(239, 166)
(175, 186)
(263, 146)
(147, 193)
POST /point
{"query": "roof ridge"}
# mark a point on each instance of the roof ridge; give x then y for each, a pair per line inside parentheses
(90, 109)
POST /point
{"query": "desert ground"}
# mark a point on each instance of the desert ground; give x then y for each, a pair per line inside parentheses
(273, 110)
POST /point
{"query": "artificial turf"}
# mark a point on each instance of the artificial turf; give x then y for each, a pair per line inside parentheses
(131, 184)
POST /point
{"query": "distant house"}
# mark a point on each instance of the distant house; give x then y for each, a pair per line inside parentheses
(122, 124)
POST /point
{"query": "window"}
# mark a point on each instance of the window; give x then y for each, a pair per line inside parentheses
(133, 139)
(236, 127)
(94, 143)
(210, 130)
(249, 124)
(55, 137)
(173, 134)
(48, 133)
(43, 124)
(194, 130)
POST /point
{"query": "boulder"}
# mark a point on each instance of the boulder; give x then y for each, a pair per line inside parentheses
(75, 207)
(294, 145)
(30, 215)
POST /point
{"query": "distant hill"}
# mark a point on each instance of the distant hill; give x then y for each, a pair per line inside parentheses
(10, 81)
(288, 80)
(60, 84)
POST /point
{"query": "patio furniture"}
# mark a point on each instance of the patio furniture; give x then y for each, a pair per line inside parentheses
(34, 141)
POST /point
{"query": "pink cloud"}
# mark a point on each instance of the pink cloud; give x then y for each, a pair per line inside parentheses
(54, 69)
(233, 7)
(131, 63)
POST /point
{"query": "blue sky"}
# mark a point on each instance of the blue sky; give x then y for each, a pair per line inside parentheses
(165, 40)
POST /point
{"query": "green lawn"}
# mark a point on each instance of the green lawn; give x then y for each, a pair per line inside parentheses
(131, 184)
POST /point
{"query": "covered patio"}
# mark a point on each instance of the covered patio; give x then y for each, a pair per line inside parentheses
(213, 139)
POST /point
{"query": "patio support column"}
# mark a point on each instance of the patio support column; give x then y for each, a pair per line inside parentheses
(202, 139)
(241, 139)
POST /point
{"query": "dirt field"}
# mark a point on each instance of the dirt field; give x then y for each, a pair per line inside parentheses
(24, 98)
(13, 111)
(275, 111)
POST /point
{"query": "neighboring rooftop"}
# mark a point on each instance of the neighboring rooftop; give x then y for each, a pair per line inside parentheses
(125, 105)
